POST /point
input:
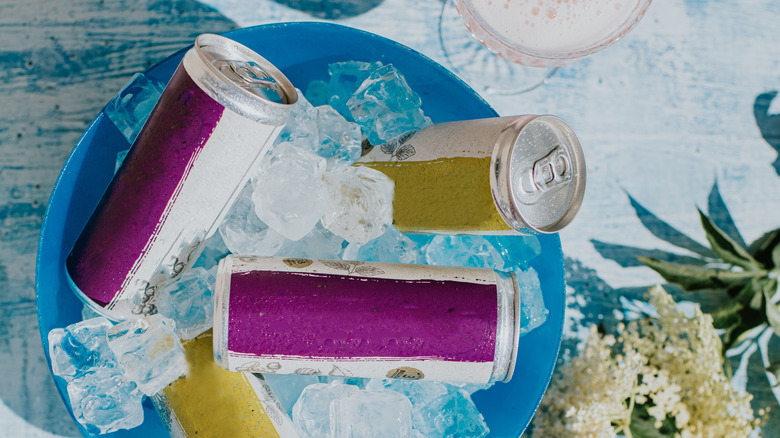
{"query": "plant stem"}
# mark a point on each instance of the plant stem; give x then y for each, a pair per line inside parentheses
(631, 402)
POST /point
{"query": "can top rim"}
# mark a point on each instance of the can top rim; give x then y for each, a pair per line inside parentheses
(525, 150)
(231, 51)
(517, 315)
(576, 189)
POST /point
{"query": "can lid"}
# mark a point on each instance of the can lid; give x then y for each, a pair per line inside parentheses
(545, 183)
(239, 78)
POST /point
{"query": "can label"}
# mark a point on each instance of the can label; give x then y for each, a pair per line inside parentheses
(463, 139)
(346, 318)
(442, 177)
(182, 174)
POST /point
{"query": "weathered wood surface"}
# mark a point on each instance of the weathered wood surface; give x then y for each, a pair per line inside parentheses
(60, 62)
(677, 115)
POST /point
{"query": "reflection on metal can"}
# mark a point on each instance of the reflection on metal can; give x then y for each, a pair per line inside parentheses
(213, 125)
(362, 319)
(209, 401)
(487, 176)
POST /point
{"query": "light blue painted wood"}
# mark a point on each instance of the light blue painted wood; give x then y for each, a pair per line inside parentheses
(60, 62)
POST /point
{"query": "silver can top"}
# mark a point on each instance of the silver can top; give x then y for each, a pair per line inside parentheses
(240, 79)
(545, 183)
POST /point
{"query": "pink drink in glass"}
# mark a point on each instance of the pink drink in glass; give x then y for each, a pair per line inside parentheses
(549, 33)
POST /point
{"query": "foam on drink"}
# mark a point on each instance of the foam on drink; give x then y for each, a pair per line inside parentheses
(555, 26)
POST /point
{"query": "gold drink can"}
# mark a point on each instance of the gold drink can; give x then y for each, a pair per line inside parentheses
(499, 175)
(211, 402)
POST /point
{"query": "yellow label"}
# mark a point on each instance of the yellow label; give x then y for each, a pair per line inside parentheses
(447, 194)
(211, 402)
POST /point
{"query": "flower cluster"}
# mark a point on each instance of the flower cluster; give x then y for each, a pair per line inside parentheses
(661, 376)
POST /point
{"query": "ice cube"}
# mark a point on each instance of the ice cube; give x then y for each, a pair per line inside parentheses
(318, 244)
(104, 401)
(516, 251)
(471, 388)
(301, 126)
(120, 158)
(532, 310)
(102, 398)
(131, 107)
(311, 413)
(288, 387)
(464, 250)
(379, 414)
(451, 415)
(214, 251)
(390, 247)
(188, 301)
(345, 79)
(360, 203)
(418, 392)
(244, 233)
(80, 347)
(317, 93)
(438, 409)
(323, 132)
(385, 107)
(149, 351)
(340, 141)
(360, 382)
(289, 192)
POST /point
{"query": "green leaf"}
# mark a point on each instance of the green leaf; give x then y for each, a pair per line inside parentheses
(751, 294)
(727, 315)
(748, 319)
(726, 248)
(763, 248)
(776, 256)
(692, 277)
(774, 369)
(757, 302)
(772, 310)
(643, 425)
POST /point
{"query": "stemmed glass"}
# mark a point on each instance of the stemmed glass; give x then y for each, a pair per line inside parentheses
(532, 37)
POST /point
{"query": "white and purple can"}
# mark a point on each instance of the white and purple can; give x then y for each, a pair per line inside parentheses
(214, 123)
(363, 319)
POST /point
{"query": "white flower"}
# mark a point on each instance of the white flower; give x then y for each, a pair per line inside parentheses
(671, 365)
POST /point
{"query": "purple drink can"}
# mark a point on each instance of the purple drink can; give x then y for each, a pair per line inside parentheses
(214, 123)
(363, 319)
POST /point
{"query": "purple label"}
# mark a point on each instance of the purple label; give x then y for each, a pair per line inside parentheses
(136, 203)
(332, 316)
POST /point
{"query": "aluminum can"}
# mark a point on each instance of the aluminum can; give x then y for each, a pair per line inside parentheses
(214, 123)
(209, 401)
(363, 319)
(499, 175)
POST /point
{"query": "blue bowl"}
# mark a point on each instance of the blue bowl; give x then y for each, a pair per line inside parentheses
(302, 51)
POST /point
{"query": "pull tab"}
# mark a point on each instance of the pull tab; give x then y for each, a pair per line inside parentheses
(546, 174)
(251, 77)
(552, 170)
